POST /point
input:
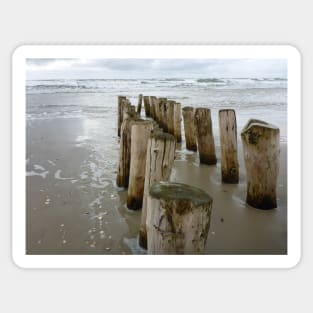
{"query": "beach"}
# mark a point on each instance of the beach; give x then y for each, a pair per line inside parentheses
(73, 204)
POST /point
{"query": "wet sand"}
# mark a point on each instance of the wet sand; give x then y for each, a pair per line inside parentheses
(74, 207)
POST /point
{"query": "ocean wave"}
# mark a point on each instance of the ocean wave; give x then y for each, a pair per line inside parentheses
(116, 86)
(58, 86)
(172, 80)
(269, 79)
(210, 80)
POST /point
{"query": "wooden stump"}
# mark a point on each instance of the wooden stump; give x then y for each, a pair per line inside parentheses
(189, 126)
(164, 115)
(162, 106)
(261, 154)
(157, 110)
(177, 121)
(133, 108)
(152, 106)
(170, 116)
(146, 102)
(140, 134)
(159, 163)
(139, 104)
(122, 177)
(156, 127)
(178, 219)
(204, 133)
(119, 114)
(228, 138)
(128, 110)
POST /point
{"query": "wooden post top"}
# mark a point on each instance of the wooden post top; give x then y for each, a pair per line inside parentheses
(177, 191)
(254, 123)
(188, 108)
(226, 110)
(202, 108)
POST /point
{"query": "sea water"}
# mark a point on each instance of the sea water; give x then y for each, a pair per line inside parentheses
(261, 98)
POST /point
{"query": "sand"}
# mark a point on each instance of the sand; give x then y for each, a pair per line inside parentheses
(74, 207)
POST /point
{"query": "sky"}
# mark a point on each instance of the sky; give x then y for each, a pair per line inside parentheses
(154, 68)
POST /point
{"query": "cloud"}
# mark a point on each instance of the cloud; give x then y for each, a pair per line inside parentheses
(149, 68)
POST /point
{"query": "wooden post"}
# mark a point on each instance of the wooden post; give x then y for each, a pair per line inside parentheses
(170, 116)
(132, 109)
(128, 110)
(140, 134)
(119, 114)
(152, 106)
(156, 126)
(177, 121)
(189, 126)
(261, 154)
(178, 219)
(205, 139)
(157, 110)
(122, 177)
(139, 104)
(159, 163)
(160, 112)
(147, 105)
(162, 104)
(124, 107)
(228, 138)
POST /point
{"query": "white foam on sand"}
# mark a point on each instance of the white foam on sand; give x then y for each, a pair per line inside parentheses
(33, 173)
(38, 167)
(57, 175)
(51, 162)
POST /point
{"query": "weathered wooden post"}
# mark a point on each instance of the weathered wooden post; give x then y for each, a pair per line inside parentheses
(170, 116)
(189, 126)
(140, 134)
(178, 219)
(261, 154)
(157, 110)
(119, 113)
(122, 176)
(152, 106)
(146, 102)
(177, 121)
(228, 138)
(132, 110)
(162, 103)
(128, 110)
(124, 107)
(204, 133)
(139, 104)
(159, 163)
(165, 113)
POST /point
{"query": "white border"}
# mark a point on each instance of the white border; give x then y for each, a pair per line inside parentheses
(162, 261)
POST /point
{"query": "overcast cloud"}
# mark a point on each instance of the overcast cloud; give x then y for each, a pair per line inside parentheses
(154, 68)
